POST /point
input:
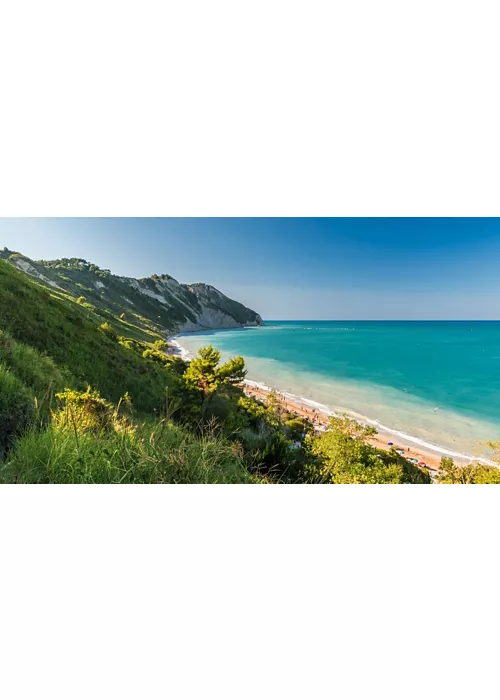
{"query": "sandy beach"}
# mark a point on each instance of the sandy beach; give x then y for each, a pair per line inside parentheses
(412, 451)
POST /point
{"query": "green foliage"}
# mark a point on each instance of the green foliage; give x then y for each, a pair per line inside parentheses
(205, 372)
(232, 372)
(341, 456)
(72, 339)
(350, 427)
(108, 330)
(87, 411)
(37, 371)
(297, 428)
(160, 346)
(81, 300)
(451, 473)
(176, 365)
(495, 447)
(202, 371)
(155, 356)
(17, 408)
(154, 453)
(255, 410)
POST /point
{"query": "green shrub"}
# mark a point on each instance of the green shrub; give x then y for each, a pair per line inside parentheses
(451, 473)
(17, 408)
(87, 411)
(296, 428)
(108, 330)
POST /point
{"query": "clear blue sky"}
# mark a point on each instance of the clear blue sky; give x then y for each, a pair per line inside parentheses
(295, 268)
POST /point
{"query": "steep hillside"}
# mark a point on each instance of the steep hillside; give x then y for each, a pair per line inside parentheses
(159, 303)
(84, 347)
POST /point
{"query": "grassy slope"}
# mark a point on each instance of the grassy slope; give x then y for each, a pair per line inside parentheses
(119, 297)
(112, 295)
(56, 325)
(156, 454)
(47, 342)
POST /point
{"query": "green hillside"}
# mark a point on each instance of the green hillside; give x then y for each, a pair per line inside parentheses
(87, 396)
(49, 342)
(157, 304)
(75, 338)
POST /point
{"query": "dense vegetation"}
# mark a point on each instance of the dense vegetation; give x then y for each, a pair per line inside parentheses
(89, 397)
(452, 473)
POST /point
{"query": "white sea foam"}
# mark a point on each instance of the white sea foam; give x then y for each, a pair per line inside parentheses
(182, 351)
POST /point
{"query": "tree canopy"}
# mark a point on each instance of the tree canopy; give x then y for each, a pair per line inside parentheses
(207, 374)
(475, 473)
(341, 455)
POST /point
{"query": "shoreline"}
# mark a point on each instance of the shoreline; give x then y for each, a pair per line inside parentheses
(413, 446)
(321, 417)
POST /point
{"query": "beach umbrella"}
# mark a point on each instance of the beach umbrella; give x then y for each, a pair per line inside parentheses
(422, 464)
(391, 444)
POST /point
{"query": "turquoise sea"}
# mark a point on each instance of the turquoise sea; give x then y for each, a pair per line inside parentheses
(438, 382)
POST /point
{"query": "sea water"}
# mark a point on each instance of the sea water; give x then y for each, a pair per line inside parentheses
(437, 382)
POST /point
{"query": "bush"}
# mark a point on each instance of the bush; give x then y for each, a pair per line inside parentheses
(17, 408)
(108, 330)
(297, 428)
(87, 411)
(451, 473)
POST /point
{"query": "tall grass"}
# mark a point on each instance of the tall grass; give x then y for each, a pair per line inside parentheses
(156, 453)
(17, 408)
(36, 370)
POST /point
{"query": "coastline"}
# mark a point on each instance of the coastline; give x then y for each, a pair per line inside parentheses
(321, 416)
(414, 447)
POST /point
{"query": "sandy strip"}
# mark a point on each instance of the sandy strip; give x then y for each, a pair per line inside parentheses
(431, 458)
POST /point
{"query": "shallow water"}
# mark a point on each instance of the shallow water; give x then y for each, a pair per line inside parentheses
(436, 381)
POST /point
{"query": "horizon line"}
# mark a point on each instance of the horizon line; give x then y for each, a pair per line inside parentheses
(383, 320)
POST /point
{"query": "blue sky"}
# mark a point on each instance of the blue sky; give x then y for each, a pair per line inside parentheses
(295, 268)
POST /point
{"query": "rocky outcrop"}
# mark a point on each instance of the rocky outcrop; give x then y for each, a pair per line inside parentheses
(212, 319)
(158, 302)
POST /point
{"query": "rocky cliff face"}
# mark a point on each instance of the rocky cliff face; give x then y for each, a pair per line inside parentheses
(158, 302)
